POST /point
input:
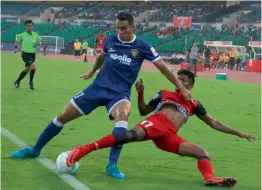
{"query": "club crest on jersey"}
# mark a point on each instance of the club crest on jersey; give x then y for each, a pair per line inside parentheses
(134, 52)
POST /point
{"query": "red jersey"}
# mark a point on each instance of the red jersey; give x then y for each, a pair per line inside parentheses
(100, 40)
(186, 108)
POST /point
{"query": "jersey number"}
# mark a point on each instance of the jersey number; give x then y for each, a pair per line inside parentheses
(147, 123)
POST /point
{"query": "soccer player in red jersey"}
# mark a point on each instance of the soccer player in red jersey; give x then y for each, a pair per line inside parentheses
(100, 40)
(172, 111)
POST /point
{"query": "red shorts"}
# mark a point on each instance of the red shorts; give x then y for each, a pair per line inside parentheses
(98, 51)
(162, 132)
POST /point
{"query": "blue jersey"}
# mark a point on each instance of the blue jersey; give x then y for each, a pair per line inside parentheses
(122, 63)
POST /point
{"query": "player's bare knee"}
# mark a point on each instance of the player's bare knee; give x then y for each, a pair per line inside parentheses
(140, 133)
(33, 66)
(122, 111)
(202, 152)
(122, 116)
(27, 69)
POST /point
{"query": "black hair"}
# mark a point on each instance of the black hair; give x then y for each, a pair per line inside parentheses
(188, 73)
(28, 22)
(126, 16)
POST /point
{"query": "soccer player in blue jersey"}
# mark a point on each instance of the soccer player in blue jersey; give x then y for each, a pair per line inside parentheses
(121, 58)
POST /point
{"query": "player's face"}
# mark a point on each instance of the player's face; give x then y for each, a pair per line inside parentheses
(185, 80)
(29, 27)
(125, 30)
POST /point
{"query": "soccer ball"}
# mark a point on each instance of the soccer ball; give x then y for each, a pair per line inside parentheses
(62, 167)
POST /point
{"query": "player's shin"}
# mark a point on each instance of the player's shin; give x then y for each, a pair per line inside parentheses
(53, 128)
(120, 128)
(205, 167)
(109, 141)
(21, 76)
(32, 74)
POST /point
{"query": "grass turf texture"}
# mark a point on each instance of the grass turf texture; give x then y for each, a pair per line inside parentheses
(25, 113)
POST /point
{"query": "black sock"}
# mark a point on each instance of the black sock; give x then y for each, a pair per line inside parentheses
(32, 74)
(21, 76)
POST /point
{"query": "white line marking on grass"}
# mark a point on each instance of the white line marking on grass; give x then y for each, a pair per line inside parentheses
(69, 179)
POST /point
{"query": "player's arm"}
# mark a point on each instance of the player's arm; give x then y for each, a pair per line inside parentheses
(151, 55)
(218, 125)
(145, 109)
(101, 57)
(163, 68)
(18, 40)
(38, 40)
(99, 62)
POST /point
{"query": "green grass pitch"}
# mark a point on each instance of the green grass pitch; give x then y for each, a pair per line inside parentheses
(25, 113)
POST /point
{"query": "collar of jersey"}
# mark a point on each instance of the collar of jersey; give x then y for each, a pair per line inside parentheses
(28, 33)
(126, 41)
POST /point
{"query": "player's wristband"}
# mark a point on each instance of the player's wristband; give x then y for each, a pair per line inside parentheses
(140, 95)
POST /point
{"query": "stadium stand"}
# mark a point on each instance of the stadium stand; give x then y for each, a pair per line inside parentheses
(164, 38)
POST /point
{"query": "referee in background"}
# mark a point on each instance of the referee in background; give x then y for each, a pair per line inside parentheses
(29, 41)
(77, 47)
(84, 49)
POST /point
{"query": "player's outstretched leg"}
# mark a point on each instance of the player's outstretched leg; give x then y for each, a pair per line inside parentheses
(135, 134)
(21, 76)
(32, 74)
(205, 166)
(53, 128)
(120, 113)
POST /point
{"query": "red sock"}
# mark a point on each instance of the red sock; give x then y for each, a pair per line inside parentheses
(205, 167)
(105, 142)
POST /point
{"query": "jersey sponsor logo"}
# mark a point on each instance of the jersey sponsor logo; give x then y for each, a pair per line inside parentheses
(123, 59)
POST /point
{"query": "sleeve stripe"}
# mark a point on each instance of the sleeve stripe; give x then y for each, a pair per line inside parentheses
(156, 59)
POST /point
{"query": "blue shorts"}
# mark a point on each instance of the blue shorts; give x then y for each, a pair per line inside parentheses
(94, 96)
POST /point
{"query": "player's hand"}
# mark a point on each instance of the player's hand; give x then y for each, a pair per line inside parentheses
(247, 136)
(186, 94)
(140, 86)
(87, 76)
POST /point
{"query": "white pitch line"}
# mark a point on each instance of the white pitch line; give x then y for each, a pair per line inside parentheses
(69, 179)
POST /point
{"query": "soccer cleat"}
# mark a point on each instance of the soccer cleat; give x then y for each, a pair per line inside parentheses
(221, 182)
(17, 85)
(75, 155)
(27, 152)
(113, 171)
(31, 85)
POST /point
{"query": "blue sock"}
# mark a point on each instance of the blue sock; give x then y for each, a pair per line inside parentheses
(120, 127)
(52, 129)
